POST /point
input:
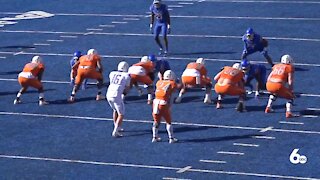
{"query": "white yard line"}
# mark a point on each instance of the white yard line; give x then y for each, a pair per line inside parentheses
(245, 145)
(291, 122)
(212, 161)
(263, 137)
(182, 170)
(75, 161)
(230, 153)
(175, 123)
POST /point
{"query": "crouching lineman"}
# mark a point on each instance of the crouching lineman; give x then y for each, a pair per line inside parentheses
(73, 72)
(230, 82)
(142, 72)
(280, 75)
(87, 70)
(195, 75)
(257, 72)
(31, 75)
(161, 105)
(119, 86)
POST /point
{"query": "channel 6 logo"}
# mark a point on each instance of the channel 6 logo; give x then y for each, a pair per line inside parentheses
(296, 158)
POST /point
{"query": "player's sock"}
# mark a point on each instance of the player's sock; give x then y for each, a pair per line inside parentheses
(288, 106)
(169, 130)
(270, 101)
(155, 131)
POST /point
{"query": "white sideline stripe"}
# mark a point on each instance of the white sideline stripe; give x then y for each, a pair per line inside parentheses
(251, 1)
(314, 109)
(170, 178)
(94, 29)
(181, 16)
(67, 82)
(230, 153)
(41, 44)
(68, 36)
(186, 3)
(147, 35)
(245, 145)
(175, 123)
(212, 161)
(107, 25)
(88, 33)
(119, 22)
(154, 167)
(131, 19)
(175, 6)
(263, 137)
(55, 40)
(309, 116)
(266, 129)
(184, 169)
(290, 122)
(171, 58)
(21, 52)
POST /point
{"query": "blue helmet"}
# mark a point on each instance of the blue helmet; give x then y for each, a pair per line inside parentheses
(77, 54)
(245, 64)
(152, 58)
(249, 31)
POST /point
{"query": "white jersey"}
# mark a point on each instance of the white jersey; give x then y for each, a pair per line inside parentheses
(118, 82)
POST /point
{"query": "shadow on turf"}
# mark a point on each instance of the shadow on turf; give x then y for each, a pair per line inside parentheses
(17, 47)
(28, 92)
(263, 107)
(65, 101)
(310, 112)
(217, 139)
(300, 69)
(204, 53)
(10, 72)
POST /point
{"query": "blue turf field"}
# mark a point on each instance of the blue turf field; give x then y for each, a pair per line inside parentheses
(73, 141)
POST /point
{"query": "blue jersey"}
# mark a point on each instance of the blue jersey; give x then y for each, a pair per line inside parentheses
(162, 65)
(256, 71)
(255, 44)
(161, 13)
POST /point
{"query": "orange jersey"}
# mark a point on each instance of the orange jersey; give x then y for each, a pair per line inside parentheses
(34, 68)
(199, 67)
(231, 74)
(164, 89)
(148, 66)
(89, 60)
(280, 73)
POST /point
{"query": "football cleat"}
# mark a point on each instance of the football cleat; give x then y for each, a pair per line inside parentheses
(43, 102)
(16, 101)
(156, 139)
(116, 134)
(100, 97)
(178, 99)
(268, 110)
(291, 115)
(173, 140)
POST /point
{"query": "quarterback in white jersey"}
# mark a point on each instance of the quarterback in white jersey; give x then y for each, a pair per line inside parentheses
(119, 85)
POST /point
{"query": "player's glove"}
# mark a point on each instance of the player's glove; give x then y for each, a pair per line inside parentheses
(151, 28)
(169, 29)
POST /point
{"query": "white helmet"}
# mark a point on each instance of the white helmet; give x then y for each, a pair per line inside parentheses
(123, 66)
(144, 59)
(169, 75)
(286, 59)
(237, 66)
(36, 59)
(92, 51)
(200, 61)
